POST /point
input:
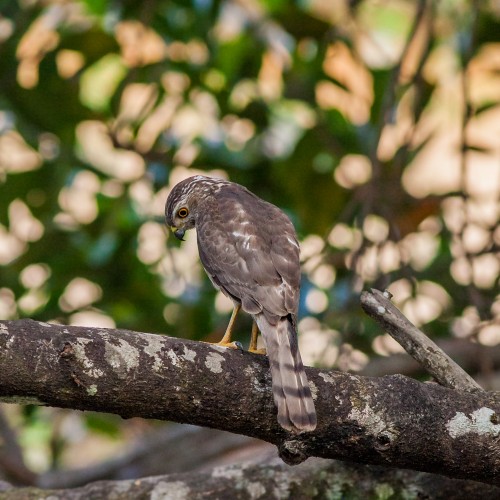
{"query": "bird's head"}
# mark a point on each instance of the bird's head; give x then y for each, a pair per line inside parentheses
(179, 212)
(182, 203)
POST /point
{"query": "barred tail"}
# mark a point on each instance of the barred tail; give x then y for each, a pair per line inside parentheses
(292, 396)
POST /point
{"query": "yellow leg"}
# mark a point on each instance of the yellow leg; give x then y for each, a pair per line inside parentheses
(253, 341)
(226, 340)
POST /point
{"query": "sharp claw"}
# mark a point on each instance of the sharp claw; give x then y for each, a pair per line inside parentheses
(229, 345)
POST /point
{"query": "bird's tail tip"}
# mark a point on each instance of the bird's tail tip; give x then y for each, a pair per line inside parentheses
(297, 427)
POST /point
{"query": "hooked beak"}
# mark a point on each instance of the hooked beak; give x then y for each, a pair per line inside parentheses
(178, 233)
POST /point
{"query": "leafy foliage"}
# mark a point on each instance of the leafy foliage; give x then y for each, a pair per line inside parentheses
(348, 115)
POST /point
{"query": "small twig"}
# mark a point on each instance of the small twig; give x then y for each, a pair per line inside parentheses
(435, 361)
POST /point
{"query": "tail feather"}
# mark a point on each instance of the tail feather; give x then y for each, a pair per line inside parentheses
(292, 395)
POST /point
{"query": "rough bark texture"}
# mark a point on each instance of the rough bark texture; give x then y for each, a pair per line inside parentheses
(314, 479)
(393, 420)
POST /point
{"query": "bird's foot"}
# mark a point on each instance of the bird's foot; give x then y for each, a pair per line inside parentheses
(257, 351)
(230, 345)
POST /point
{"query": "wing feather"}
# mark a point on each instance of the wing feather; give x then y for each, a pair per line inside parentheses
(249, 249)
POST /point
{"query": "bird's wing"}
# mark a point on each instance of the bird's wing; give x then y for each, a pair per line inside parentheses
(248, 248)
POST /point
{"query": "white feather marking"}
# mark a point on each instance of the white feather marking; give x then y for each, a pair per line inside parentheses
(294, 243)
(246, 237)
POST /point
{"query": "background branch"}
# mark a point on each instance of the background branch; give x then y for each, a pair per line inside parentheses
(473, 357)
(316, 478)
(435, 361)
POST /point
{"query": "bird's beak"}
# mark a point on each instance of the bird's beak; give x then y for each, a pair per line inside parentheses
(178, 233)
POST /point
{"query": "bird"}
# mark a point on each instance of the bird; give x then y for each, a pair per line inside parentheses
(249, 249)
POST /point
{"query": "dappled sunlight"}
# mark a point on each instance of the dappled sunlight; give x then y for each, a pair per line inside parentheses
(316, 301)
(343, 236)
(323, 276)
(41, 38)
(69, 62)
(352, 171)
(8, 304)
(139, 44)
(180, 268)
(341, 65)
(288, 122)
(79, 293)
(389, 257)
(11, 247)
(319, 345)
(32, 301)
(466, 325)
(137, 101)
(22, 223)
(156, 122)
(92, 318)
(78, 201)
(238, 131)
(223, 304)
(15, 155)
(375, 228)
(374, 125)
(354, 96)
(385, 345)
(270, 81)
(34, 275)
(419, 249)
(97, 148)
(485, 270)
(490, 334)
(152, 239)
(171, 313)
(311, 246)
(420, 303)
(351, 359)
(436, 169)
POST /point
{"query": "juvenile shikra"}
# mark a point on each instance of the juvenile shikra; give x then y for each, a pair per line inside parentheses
(249, 250)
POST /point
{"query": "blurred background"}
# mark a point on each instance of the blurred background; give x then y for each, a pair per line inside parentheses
(374, 124)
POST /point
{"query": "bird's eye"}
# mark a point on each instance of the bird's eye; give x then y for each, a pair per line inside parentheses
(183, 213)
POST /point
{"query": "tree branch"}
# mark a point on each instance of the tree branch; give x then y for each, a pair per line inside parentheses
(393, 420)
(314, 479)
(435, 361)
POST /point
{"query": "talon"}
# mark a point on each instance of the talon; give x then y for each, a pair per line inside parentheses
(229, 345)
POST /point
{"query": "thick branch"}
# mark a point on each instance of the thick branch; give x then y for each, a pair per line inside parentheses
(435, 361)
(392, 420)
(313, 479)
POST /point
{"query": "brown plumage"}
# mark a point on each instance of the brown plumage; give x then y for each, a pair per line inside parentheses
(249, 250)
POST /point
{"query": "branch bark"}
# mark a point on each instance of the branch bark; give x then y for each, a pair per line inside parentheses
(393, 420)
(314, 479)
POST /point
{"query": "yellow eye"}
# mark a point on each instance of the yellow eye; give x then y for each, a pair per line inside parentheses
(183, 213)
